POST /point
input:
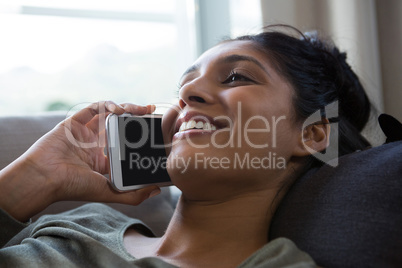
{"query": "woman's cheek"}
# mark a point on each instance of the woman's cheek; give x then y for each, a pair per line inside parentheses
(168, 125)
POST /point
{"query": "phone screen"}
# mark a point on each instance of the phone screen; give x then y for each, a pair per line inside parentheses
(142, 151)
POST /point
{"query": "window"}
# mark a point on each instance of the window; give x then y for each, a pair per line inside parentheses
(55, 55)
(242, 22)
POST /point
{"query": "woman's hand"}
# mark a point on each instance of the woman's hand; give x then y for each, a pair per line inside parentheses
(67, 164)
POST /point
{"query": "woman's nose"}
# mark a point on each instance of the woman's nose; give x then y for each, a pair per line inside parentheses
(196, 93)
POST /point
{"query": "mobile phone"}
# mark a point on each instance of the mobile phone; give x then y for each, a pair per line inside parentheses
(136, 151)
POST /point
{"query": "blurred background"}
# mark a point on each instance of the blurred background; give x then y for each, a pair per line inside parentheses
(59, 54)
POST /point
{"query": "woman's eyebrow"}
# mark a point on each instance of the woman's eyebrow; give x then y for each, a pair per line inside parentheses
(191, 69)
(236, 58)
(229, 59)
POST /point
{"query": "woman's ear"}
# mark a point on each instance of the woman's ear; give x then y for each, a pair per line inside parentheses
(314, 138)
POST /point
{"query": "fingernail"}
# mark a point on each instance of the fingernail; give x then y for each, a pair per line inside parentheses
(154, 192)
(111, 107)
(152, 108)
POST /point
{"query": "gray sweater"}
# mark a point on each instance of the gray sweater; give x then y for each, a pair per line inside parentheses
(92, 236)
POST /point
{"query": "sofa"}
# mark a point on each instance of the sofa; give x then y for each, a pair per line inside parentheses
(347, 216)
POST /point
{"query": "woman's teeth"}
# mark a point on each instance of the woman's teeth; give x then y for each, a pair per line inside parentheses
(197, 125)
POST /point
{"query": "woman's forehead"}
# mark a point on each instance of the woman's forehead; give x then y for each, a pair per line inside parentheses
(227, 48)
(231, 52)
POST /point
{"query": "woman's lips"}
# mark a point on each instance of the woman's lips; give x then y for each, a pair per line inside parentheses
(193, 120)
(193, 123)
(190, 133)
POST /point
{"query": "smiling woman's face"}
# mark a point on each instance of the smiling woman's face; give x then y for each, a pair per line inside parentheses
(235, 131)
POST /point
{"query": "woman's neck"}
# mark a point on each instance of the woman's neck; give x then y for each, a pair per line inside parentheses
(211, 233)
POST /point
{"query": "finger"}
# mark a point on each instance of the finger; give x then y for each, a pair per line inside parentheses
(137, 109)
(114, 108)
(98, 122)
(87, 114)
(136, 197)
(103, 164)
(151, 108)
(102, 138)
(132, 197)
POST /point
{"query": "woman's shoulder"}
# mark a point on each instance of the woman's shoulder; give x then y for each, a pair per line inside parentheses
(92, 216)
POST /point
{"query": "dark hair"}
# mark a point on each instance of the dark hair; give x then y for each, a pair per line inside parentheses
(320, 75)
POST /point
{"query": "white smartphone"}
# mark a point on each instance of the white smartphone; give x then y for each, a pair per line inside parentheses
(136, 151)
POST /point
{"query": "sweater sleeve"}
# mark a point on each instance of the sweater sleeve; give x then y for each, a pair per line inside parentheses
(88, 236)
(9, 227)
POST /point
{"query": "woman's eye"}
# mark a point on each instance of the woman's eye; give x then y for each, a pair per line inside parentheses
(235, 77)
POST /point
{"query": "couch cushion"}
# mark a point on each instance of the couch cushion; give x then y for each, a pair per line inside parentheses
(18, 133)
(348, 216)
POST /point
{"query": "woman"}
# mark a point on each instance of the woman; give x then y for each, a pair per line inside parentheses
(252, 96)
